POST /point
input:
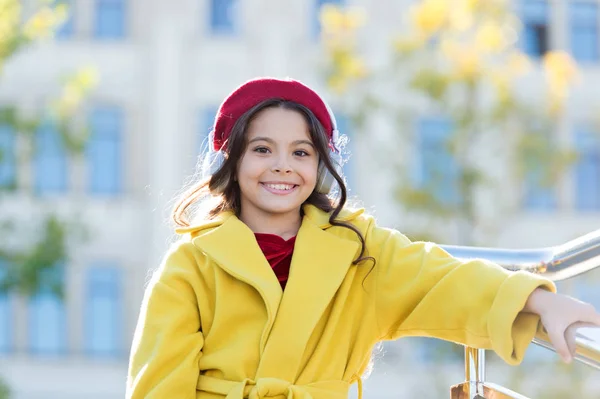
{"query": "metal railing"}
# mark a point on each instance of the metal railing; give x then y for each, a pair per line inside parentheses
(556, 263)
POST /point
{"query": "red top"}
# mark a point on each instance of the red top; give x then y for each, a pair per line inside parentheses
(279, 254)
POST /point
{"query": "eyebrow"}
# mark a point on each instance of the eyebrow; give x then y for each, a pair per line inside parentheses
(270, 140)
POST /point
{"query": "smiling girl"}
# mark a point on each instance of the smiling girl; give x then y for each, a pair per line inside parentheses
(280, 291)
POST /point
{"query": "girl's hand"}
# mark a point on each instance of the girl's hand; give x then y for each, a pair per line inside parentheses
(561, 316)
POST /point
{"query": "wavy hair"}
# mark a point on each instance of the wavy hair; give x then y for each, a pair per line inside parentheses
(224, 182)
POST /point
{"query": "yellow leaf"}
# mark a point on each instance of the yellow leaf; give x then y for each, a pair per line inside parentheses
(331, 18)
(489, 37)
(405, 45)
(450, 48)
(518, 63)
(74, 91)
(340, 23)
(10, 11)
(87, 77)
(472, 4)
(43, 22)
(560, 67)
(501, 82)
(355, 68)
(337, 84)
(353, 18)
(460, 19)
(561, 73)
(467, 63)
(430, 15)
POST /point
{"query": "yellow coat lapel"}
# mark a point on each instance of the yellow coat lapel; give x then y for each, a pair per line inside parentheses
(320, 262)
(233, 247)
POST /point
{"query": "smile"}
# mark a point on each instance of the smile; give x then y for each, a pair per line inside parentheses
(279, 188)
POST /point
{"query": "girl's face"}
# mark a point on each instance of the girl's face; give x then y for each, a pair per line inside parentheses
(278, 170)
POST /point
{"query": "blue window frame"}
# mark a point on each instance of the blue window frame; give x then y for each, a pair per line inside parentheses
(535, 35)
(587, 170)
(104, 151)
(8, 166)
(583, 21)
(50, 162)
(103, 316)
(47, 316)
(6, 316)
(67, 29)
(224, 17)
(437, 168)
(538, 196)
(316, 21)
(110, 19)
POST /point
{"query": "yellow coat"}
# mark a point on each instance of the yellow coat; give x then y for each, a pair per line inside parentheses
(215, 323)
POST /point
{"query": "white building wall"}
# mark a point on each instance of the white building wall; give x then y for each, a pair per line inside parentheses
(163, 75)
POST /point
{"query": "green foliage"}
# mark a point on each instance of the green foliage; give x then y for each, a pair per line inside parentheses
(4, 390)
(28, 271)
(430, 82)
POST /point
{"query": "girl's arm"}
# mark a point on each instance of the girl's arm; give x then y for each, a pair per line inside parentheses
(168, 340)
(421, 290)
(561, 316)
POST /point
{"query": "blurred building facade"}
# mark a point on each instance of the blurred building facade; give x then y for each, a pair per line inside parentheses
(164, 67)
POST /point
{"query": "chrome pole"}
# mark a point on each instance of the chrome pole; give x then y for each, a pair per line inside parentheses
(557, 263)
(475, 371)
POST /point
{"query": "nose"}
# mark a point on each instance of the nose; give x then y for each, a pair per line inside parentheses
(282, 165)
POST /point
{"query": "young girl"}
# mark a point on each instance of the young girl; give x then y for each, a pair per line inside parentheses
(282, 292)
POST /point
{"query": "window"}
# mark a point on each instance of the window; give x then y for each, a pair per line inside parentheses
(538, 195)
(587, 171)
(7, 157)
(47, 316)
(104, 151)
(224, 16)
(67, 28)
(6, 316)
(103, 315)
(50, 162)
(437, 169)
(584, 288)
(535, 35)
(583, 19)
(110, 19)
(318, 4)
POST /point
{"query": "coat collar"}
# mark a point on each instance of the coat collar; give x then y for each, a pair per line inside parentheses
(317, 216)
(319, 265)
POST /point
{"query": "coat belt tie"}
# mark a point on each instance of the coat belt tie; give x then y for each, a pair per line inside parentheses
(273, 388)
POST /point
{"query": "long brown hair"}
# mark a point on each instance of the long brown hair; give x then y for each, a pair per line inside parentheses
(223, 180)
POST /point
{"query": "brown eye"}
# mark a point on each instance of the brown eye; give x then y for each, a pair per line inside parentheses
(261, 150)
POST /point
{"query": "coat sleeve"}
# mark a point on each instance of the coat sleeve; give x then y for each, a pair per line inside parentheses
(421, 290)
(168, 339)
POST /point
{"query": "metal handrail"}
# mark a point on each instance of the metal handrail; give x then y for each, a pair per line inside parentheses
(555, 263)
(588, 345)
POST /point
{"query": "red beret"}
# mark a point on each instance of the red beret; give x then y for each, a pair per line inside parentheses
(258, 90)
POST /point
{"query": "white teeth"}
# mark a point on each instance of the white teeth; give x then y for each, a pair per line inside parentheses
(280, 186)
